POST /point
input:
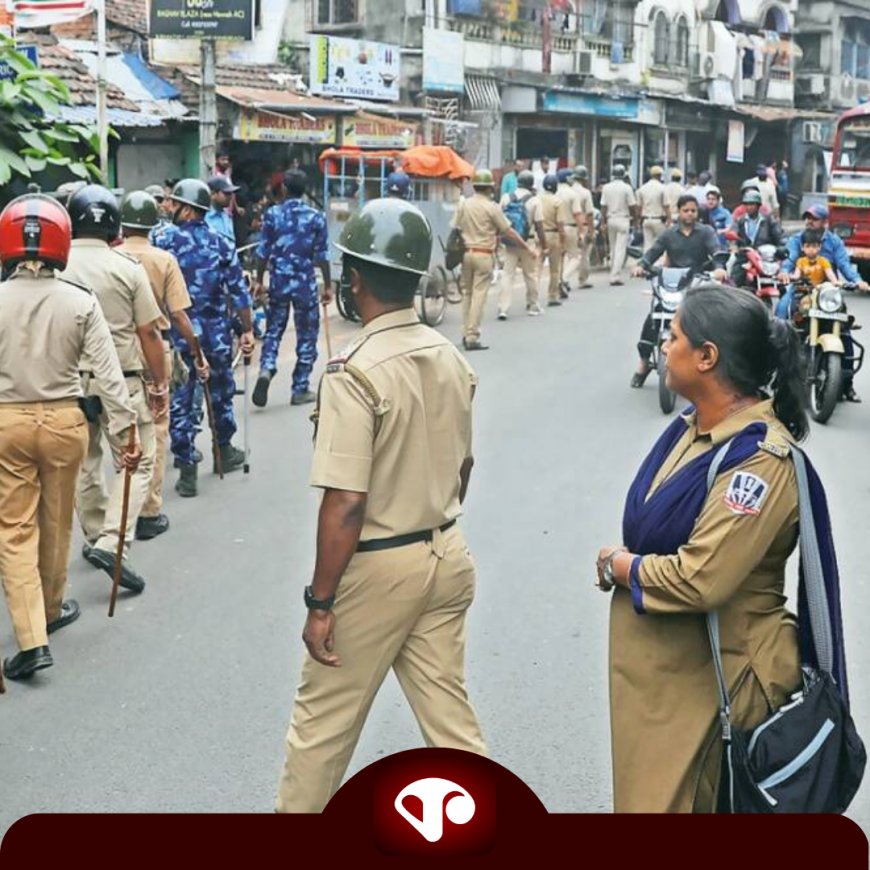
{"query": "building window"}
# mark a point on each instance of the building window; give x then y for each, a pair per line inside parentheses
(619, 21)
(776, 19)
(337, 12)
(863, 66)
(811, 46)
(848, 57)
(661, 38)
(728, 11)
(682, 45)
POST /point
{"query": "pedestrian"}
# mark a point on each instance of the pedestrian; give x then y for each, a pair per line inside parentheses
(718, 216)
(294, 241)
(219, 217)
(554, 217)
(652, 205)
(573, 231)
(139, 215)
(121, 286)
(523, 210)
(510, 180)
(618, 210)
(586, 230)
(214, 279)
(481, 222)
(399, 185)
(674, 189)
(393, 577)
(47, 325)
(542, 169)
(690, 548)
(699, 189)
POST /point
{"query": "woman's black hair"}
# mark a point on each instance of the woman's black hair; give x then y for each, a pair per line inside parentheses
(758, 355)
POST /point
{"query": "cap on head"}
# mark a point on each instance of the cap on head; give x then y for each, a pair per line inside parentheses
(221, 184)
(565, 175)
(551, 182)
(192, 192)
(482, 179)
(389, 232)
(676, 174)
(656, 171)
(93, 211)
(819, 212)
(35, 227)
(618, 171)
(704, 177)
(581, 172)
(761, 170)
(139, 211)
(526, 179)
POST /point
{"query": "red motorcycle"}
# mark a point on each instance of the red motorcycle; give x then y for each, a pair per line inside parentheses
(761, 266)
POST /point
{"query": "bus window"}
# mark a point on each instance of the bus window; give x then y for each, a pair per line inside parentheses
(855, 145)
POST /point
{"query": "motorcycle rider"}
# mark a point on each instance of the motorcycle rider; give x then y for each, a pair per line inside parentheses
(835, 252)
(753, 229)
(688, 245)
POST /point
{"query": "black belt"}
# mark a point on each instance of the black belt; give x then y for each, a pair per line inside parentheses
(126, 374)
(399, 540)
(570, 225)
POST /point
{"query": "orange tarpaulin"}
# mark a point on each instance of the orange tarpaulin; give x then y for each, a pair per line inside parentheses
(424, 161)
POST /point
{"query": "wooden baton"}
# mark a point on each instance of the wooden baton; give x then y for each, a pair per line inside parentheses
(122, 531)
(326, 330)
(215, 447)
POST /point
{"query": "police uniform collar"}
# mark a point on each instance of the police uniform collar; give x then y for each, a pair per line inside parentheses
(401, 317)
(730, 426)
(136, 242)
(89, 243)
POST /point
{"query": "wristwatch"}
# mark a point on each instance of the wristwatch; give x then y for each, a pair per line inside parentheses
(313, 603)
(607, 571)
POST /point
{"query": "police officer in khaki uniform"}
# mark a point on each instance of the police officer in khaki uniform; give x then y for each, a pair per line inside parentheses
(555, 216)
(122, 288)
(514, 256)
(140, 213)
(674, 189)
(393, 576)
(47, 325)
(481, 222)
(587, 230)
(618, 206)
(573, 231)
(651, 203)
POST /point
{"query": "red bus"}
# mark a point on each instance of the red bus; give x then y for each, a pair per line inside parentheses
(849, 192)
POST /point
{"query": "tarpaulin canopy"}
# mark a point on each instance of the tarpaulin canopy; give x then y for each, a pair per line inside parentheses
(424, 161)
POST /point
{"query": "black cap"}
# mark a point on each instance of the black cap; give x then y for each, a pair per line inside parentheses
(221, 184)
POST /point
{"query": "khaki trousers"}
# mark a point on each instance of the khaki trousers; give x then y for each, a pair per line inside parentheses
(652, 229)
(42, 445)
(476, 277)
(617, 233)
(154, 498)
(554, 243)
(403, 609)
(571, 258)
(514, 257)
(100, 511)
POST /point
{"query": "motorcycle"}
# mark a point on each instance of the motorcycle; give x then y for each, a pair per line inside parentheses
(761, 267)
(819, 315)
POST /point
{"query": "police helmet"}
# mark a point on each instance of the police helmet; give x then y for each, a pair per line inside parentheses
(34, 227)
(139, 211)
(398, 184)
(391, 233)
(618, 171)
(192, 192)
(581, 172)
(482, 178)
(526, 179)
(551, 182)
(565, 175)
(93, 211)
(156, 190)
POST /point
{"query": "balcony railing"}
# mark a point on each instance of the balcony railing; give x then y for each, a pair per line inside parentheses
(520, 34)
(603, 47)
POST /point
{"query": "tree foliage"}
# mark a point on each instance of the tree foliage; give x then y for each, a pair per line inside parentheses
(32, 136)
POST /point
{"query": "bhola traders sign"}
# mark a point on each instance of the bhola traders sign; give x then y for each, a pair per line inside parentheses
(354, 68)
(370, 131)
(254, 126)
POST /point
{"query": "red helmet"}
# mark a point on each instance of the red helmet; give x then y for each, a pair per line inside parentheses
(35, 227)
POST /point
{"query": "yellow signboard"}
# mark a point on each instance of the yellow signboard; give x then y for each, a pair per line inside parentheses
(254, 126)
(371, 131)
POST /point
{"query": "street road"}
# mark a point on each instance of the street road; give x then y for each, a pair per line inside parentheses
(181, 702)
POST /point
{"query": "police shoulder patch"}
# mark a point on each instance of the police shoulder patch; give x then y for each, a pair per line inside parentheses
(337, 362)
(746, 493)
(76, 284)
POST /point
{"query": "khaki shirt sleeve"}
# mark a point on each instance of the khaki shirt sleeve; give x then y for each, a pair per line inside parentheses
(725, 545)
(630, 198)
(102, 359)
(502, 224)
(177, 297)
(563, 213)
(537, 210)
(145, 308)
(343, 448)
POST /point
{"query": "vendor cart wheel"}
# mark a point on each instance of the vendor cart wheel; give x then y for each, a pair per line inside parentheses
(431, 299)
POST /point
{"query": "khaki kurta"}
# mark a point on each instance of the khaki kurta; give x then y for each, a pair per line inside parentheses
(663, 694)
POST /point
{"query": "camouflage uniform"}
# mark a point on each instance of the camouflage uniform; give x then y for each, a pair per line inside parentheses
(212, 271)
(294, 240)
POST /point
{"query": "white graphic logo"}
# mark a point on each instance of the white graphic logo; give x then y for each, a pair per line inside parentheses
(746, 493)
(440, 797)
(97, 213)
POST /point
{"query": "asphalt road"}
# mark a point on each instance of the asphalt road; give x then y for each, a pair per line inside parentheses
(180, 703)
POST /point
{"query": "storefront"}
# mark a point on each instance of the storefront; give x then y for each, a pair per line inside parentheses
(691, 137)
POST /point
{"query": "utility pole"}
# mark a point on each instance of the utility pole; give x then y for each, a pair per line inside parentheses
(102, 112)
(207, 108)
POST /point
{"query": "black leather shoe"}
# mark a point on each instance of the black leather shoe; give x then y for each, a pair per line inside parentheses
(106, 561)
(150, 527)
(27, 663)
(261, 389)
(69, 612)
(302, 398)
(850, 395)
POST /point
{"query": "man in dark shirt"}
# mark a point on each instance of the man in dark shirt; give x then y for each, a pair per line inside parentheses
(688, 245)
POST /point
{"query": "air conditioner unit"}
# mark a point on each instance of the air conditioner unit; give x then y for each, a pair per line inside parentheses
(583, 63)
(816, 85)
(812, 132)
(707, 65)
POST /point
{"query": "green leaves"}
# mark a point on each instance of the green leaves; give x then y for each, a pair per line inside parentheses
(32, 134)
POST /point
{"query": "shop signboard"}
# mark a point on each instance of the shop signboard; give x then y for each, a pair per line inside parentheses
(443, 61)
(355, 68)
(29, 51)
(254, 126)
(586, 104)
(370, 131)
(736, 139)
(192, 19)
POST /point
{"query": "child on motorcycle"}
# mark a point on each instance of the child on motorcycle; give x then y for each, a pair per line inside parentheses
(812, 267)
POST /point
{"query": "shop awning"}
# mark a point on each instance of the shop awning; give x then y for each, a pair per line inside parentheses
(283, 101)
(483, 95)
(391, 110)
(772, 114)
(117, 117)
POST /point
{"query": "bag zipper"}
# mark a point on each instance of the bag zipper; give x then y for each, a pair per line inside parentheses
(758, 731)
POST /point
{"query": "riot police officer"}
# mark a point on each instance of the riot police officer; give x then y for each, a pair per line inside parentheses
(47, 325)
(122, 289)
(214, 277)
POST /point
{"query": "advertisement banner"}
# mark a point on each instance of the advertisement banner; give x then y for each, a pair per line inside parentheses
(443, 61)
(254, 126)
(192, 19)
(736, 136)
(354, 68)
(370, 131)
(43, 13)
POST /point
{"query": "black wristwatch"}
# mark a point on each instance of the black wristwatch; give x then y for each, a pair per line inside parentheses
(313, 603)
